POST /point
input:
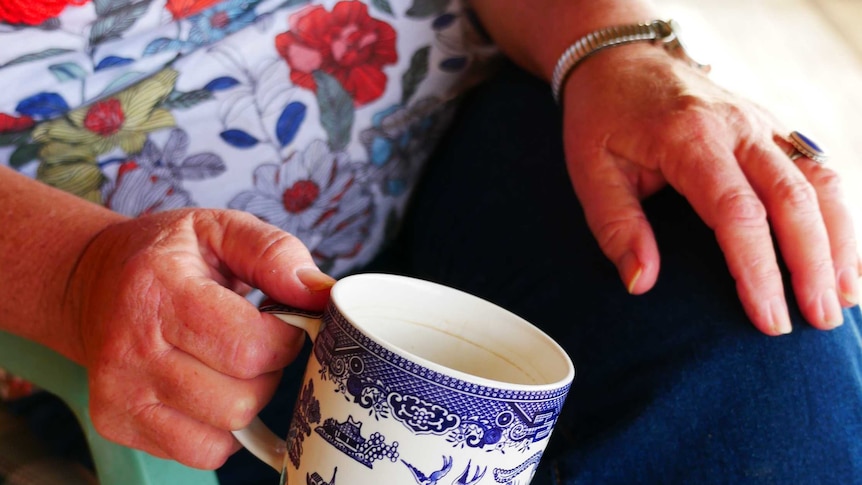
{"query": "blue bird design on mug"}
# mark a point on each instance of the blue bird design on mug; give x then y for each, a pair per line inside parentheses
(463, 478)
(434, 477)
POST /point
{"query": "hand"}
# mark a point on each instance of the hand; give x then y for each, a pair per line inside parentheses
(636, 119)
(176, 356)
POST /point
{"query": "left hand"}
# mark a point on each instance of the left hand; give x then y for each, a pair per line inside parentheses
(636, 118)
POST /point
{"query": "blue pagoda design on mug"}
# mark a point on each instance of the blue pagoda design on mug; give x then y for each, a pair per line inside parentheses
(347, 437)
(467, 414)
(403, 372)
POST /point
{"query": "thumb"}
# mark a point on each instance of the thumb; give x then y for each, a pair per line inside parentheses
(265, 257)
(616, 219)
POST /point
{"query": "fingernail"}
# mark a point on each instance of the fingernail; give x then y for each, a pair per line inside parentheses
(314, 279)
(630, 265)
(831, 308)
(848, 285)
(780, 316)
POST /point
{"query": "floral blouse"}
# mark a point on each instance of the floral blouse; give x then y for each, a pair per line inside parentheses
(314, 116)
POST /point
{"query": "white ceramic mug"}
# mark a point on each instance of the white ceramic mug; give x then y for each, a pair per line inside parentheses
(414, 382)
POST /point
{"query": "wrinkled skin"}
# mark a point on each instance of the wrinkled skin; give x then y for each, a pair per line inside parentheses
(176, 356)
(636, 119)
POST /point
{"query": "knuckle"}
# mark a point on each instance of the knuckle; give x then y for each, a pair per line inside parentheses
(215, 451)
(616, 232)
(761, 272)
(823, 266)
(247, 360)
(741, 208)
(242, 412)
(691, 120)
(698, 116)
(278, 243)
(205, 450)
(827, 183)
(281, 248)
(796, 193)
(846, 248)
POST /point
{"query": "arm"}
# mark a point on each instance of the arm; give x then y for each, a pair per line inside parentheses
(153, 307)
(44, 233)
(636, 119)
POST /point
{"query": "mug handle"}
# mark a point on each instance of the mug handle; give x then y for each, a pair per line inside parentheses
(257, 437)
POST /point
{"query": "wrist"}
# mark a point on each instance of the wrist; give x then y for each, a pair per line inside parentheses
(534, 33)
(71, 305)
(665, 34)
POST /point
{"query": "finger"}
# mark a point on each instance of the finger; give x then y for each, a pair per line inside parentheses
(181, 438)
(210, 397)
(839, 226)
(799, 228)
(159, 430)
(264, 256)
(706, 173)
(616, 218)
(228, 333)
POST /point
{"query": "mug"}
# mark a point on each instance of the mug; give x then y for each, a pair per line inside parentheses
(413, 382)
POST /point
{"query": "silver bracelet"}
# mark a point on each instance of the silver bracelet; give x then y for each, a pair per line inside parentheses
(666, 32)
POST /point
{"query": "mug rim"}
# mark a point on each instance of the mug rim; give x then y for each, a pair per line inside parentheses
(550, 343)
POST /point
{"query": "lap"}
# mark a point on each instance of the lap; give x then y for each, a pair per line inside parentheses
(674, 385)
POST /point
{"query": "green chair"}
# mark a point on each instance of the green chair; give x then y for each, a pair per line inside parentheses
(115, 464)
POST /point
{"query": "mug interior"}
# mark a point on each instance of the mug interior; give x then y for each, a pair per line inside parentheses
(451, 331)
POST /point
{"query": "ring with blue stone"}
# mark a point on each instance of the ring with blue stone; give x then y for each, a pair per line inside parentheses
(806, 147)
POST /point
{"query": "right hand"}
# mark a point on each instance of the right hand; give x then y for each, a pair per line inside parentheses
(636, 118)
(176, 356)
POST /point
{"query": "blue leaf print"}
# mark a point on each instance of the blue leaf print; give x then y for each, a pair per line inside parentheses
(123, 80)
(336, 109)
(238, 138)
(36, 56)
(289, 121)
(221, 83)
(67, 71)
(113, 61)
(163, 44)
(42, 106)
(381, 150)
(112, 25)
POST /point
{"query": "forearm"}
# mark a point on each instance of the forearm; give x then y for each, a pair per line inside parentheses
(534, 33)
(44, 231)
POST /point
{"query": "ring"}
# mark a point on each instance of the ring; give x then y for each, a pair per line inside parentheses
(805, 147)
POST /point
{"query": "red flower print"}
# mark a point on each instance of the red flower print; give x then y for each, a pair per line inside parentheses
(13, 124)
(300, 196)
(105, 117)
(33, 12)
(346, 43)
(181, 9)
